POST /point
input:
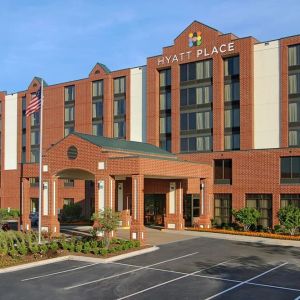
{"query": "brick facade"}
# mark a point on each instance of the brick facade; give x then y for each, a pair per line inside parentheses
(254, 171)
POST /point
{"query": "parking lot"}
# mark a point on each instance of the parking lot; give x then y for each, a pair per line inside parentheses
(198, 268)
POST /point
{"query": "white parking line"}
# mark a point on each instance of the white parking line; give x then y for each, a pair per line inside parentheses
(218, 278)
(60, 272)
(298, 298)
(246, 281)
(131, 271)
(175, 279)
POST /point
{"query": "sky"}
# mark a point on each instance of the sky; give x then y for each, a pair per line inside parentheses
(62, 40)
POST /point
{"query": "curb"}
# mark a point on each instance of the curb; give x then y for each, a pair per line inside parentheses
(77, 258)
(34, 264)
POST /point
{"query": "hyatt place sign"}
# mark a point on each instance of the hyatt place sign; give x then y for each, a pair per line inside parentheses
(200, 53)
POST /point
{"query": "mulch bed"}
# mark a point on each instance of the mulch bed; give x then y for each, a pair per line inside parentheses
(8, 261)
(254, 234)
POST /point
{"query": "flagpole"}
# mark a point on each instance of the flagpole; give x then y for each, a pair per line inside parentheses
(40, 161)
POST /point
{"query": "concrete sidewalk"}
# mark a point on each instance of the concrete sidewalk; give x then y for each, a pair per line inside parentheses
(165, 236)
(232, 237)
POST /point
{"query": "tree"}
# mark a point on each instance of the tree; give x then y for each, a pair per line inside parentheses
(246, 216)
(289, 217)
(106, 221)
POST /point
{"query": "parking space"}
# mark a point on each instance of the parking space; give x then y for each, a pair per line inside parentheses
(201, 268)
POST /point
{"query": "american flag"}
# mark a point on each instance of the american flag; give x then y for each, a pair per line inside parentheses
(35, 103)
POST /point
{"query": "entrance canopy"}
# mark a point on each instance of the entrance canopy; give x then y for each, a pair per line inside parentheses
(84, 156)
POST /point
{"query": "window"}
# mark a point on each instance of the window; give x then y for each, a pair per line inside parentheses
(195, 96)
(119, 107)
(165, 77)
(196, 121)
(294, 137)
(223, 171)
(199, 143)
(165, 143)
(232, 118)
(290, 199)
(294, 112)
(68, 201)
(165, 125)
(232, 91)
(68, 130)
(223, 209)
(69, 114)
(97, 109)
(294, 83)
(165, 101)
(34, 119)
(294, 55)
(232, 66)
(35, 138)
(263, 203)
(69, 93)
(68, 182)
(34, 155)
(119, 85)
(97, 88)
(98, 129)
(232, 141)
(24, 104)
(196, 71)
(34, 205)
(34, 181)
(290, 169)
(119, 129)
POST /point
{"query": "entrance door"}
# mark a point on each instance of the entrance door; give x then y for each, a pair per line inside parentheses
(191, 208)
(154, 209)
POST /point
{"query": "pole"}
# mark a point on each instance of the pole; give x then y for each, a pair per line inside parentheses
(40, 160)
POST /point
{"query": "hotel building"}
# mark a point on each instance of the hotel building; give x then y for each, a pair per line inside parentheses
(209, 125)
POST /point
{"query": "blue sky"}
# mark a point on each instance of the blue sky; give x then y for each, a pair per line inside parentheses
(61, 40)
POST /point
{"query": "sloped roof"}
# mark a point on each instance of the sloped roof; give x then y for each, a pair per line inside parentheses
(123, 145)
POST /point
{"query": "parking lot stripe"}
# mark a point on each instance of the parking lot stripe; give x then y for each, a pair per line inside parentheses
(218, 278)
(274, 287)
(245, 282)
(175, 279)
(60, 272)
(131, 271)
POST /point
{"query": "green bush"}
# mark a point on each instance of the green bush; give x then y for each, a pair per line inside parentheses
(71, 212)
(246, 216)
(103, 251)
(53, 246)
(289, 218)
(79, 246)
(86, 248)
(43, 249)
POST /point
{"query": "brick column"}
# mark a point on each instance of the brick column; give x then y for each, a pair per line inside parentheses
(275, 208)
(174, 207)
(105, 194)
(137, 229)
(49, 206)
(26, 223)
(206, 200)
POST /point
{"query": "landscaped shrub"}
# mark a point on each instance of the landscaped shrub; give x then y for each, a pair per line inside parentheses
(71, 212)
(86, 247)
(246, 216)
(106, 221)
(53, 246)
(79, 246)
(43, 249)
(289, 218)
